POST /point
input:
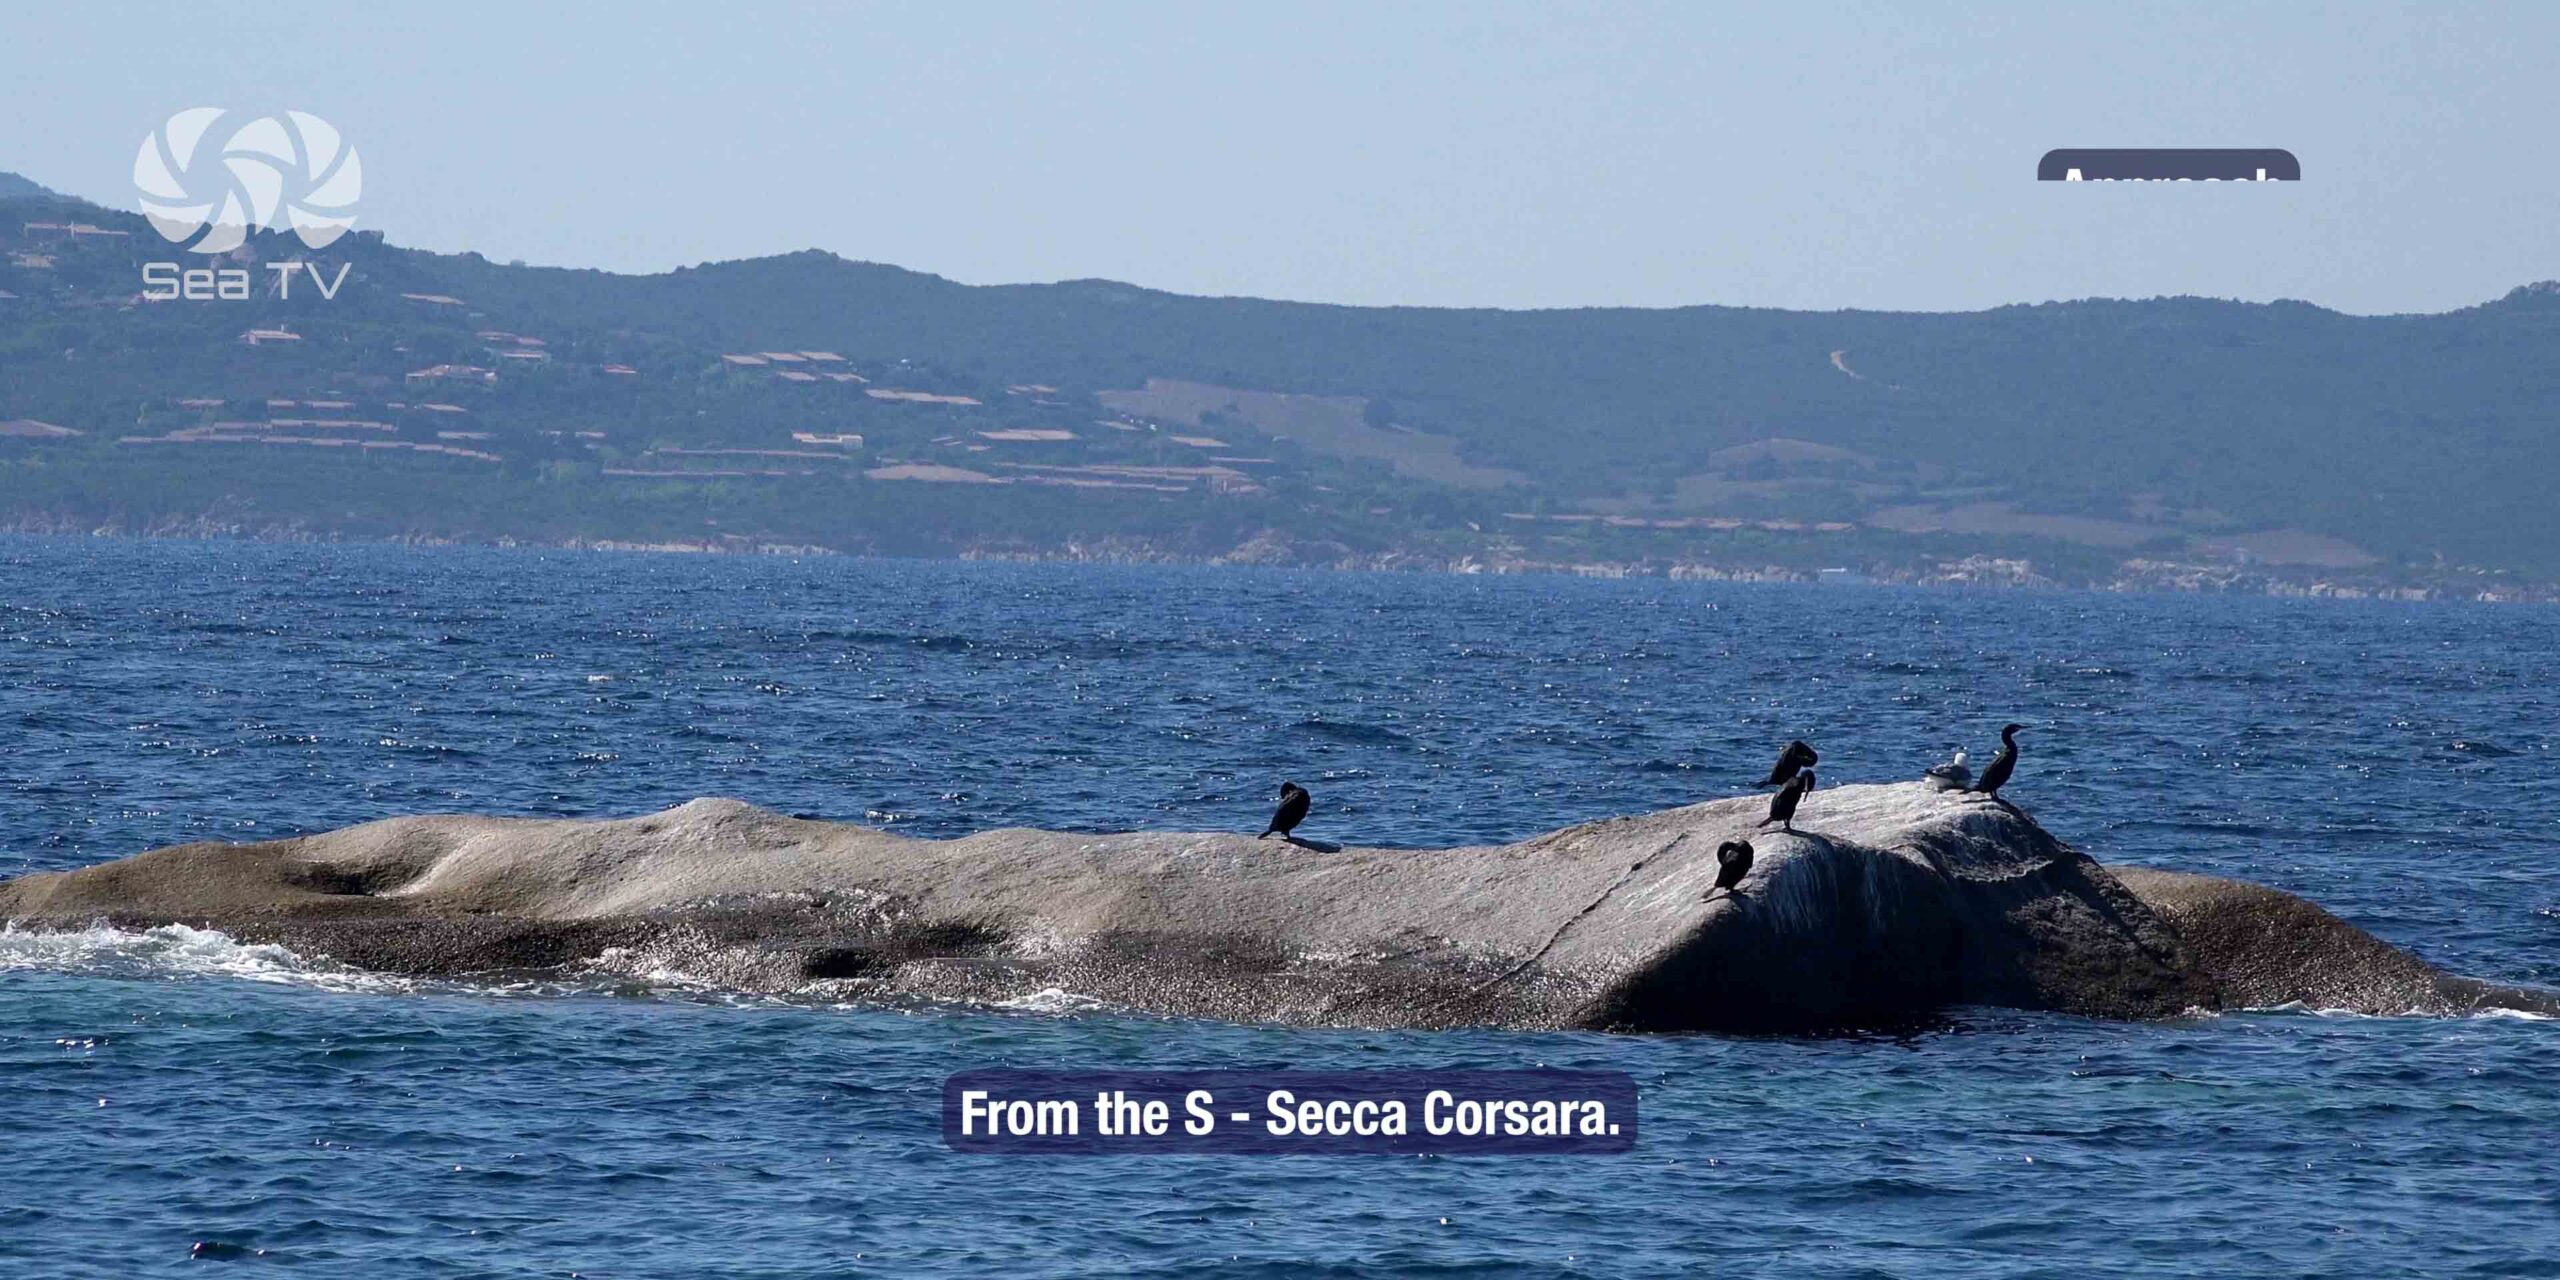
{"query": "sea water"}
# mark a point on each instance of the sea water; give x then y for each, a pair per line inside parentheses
(173, 1098)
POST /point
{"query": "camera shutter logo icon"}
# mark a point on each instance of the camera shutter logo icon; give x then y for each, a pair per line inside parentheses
(271, 173)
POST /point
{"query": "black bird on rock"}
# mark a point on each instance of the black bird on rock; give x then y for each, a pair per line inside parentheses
(1798, 756)
(1782, 806)
(1733, 862)
(1996, 774)
(1292, 811)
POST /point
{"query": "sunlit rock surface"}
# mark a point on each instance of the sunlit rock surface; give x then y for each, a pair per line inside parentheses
(1888, 904)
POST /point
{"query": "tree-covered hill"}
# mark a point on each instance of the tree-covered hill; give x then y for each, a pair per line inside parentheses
(2180, 425)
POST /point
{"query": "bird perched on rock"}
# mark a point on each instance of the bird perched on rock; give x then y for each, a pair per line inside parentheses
(1798, 756)
(1996, 774)
(1951, 776)
(1733, 862)
(1292, 811)
(1782, 806)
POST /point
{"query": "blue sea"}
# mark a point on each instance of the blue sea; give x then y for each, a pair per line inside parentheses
(173, 1099)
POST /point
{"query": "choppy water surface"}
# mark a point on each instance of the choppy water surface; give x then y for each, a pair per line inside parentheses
(173, 1087)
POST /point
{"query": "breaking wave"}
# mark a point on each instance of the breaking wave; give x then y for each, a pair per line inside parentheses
(178, 951)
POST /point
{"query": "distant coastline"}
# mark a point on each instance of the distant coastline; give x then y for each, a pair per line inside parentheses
(1977, 571)
(808, 401)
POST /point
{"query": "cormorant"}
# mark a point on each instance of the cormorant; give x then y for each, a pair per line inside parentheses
(1951, 776)
(1782, 806)
(1733, 862)
(1798, 755)
(1996, 774)
(1292, 811)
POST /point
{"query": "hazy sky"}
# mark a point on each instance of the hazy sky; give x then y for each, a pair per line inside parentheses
(1468, 154)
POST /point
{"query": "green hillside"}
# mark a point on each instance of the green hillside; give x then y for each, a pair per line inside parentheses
(2080, 433)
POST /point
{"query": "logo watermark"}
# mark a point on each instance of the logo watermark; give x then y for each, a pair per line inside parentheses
(206, 180)
(295, 165)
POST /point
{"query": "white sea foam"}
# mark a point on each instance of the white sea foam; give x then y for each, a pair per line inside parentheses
(2309, 1010)
(1054, 1000)
(178, 951)
(2526, 1015)
(651, 968)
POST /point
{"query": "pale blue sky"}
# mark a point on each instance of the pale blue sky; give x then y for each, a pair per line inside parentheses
(1853, 155)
